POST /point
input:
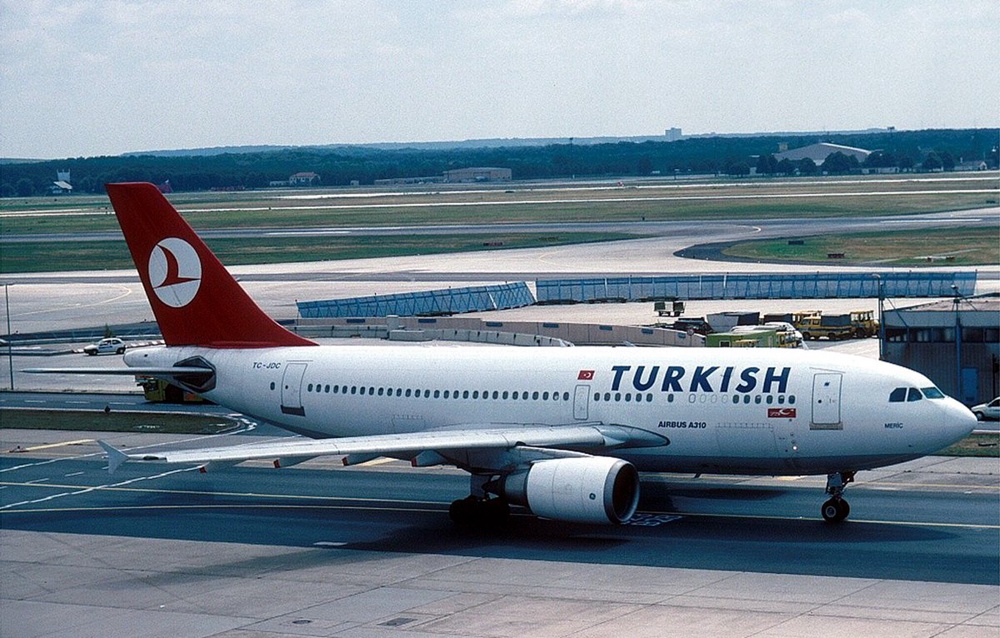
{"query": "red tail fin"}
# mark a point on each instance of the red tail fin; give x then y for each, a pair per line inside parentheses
(195, 300)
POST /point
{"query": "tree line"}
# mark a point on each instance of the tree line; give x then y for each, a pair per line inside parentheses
(342, 166)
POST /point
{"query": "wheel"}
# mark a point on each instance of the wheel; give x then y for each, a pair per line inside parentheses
(120, 351)
(807, 336)
(462, 511)
(835, 510)
(494, 513)
(92, 353)
(488, 514)
(980, 416)
(843, 509)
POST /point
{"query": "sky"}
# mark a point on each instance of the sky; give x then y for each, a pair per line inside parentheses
(81, 78)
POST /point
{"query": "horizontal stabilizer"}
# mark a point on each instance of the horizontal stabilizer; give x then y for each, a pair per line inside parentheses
(115, 456)
(166, 372)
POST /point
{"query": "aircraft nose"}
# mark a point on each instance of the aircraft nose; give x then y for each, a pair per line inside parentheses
(959, 421)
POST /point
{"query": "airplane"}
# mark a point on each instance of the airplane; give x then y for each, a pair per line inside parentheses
(563, 432)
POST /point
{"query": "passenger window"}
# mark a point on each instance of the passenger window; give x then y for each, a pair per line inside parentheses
(898, 395)
(914, 395)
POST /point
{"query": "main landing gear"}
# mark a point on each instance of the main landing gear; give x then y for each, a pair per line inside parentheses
(479, 509)
(836, 509)
(487, 513)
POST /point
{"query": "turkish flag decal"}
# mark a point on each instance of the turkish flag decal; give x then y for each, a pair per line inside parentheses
(781, 413)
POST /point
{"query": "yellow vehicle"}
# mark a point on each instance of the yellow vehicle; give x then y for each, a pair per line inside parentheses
(865, 324)
(159, 391)
(833, 327)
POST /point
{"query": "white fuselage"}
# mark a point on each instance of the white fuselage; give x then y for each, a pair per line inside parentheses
(748, 411)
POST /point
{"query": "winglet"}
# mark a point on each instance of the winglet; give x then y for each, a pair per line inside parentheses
(115, 456)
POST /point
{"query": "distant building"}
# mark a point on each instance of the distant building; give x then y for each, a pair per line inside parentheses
(478, 174)
(955, 343)
(401, 181)
(971, 166)
(673, 134)
(62, 185)
(819, 152)
(304, 179)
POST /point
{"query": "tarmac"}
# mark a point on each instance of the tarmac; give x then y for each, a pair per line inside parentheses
(63, 585)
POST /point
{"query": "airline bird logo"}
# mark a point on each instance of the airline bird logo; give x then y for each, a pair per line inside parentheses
(174, 272)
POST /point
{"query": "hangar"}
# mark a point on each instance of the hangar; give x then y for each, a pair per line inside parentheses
(955, 343)
(478, 174)
(819, 152)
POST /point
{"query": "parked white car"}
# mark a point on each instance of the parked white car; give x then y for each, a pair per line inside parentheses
(988, 411)
(111, 345)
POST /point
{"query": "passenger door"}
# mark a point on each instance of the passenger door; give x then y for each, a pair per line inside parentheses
(826, 401)
(291, 389)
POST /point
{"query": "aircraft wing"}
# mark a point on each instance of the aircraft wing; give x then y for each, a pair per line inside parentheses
(594, 436)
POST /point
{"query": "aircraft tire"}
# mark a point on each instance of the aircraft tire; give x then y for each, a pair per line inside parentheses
(462, 511)
(487, 514)
(835, 510)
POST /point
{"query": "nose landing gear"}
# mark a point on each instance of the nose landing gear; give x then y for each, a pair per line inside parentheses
(837, 509)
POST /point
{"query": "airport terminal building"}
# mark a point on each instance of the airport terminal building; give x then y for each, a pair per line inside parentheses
(956, 343)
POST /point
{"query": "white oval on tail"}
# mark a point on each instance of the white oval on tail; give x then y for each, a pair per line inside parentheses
(174, 272)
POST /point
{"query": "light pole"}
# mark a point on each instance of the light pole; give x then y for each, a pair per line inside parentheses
(959, 390)
(10, 350)
(881, 317)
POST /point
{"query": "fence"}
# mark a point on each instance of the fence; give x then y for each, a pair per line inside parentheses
(425, 303)
(757, 286)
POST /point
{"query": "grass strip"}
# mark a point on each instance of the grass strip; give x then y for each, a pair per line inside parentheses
(911, 248)
(68, 256)
(981, 445)
(114, 421)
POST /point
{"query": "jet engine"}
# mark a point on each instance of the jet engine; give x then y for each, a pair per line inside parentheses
(594, 489)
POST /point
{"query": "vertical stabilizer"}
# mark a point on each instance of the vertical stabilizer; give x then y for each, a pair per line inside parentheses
(194, 298)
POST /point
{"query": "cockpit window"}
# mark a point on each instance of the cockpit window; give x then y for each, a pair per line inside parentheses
(898, 395)
(914, 395)
(932, 393)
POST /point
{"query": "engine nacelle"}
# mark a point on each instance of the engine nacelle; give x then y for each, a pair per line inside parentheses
(595, 489)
